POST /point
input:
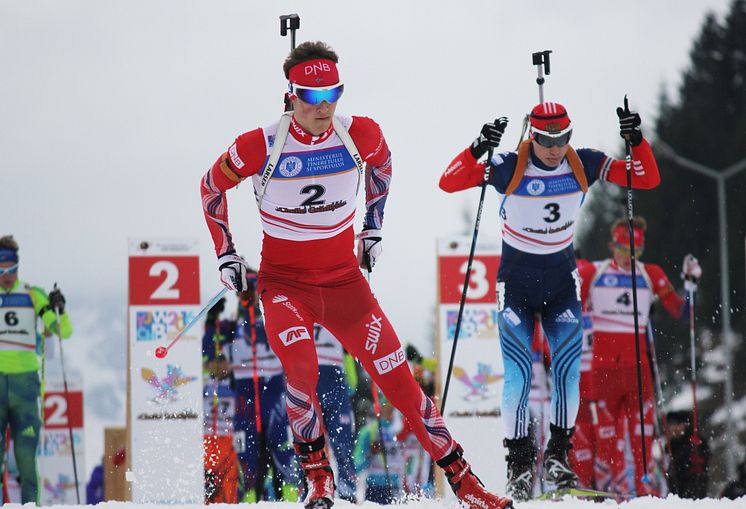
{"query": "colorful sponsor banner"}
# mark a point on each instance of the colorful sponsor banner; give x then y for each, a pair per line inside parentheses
(165, 395)
(473, 404)
(478, 321)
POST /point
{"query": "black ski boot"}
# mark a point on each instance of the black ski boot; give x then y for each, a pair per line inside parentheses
(521, 459)
(556, 467)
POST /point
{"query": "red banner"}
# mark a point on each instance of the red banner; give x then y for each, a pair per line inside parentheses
(163, 280)
(481, 282)
(63, 412)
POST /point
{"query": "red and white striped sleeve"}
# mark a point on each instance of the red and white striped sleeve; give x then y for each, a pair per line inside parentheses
(244, 158)
(374, 150)
(645, 174)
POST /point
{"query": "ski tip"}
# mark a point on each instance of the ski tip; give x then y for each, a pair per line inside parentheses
(580, 493)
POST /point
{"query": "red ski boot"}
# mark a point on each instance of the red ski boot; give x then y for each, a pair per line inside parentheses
(467, 486)
(319, 476)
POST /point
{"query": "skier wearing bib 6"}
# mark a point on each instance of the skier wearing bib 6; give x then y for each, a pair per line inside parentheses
(28, 315)
(543, 185)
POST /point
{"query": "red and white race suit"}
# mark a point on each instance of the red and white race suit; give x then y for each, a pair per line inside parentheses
(613, 381)
(309, 272)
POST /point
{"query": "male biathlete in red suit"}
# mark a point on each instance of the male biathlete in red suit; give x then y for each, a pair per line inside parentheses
(614, 365)
(306, 171)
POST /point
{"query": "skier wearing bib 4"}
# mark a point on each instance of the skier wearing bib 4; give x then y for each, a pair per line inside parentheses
(544, 184)
(306, 170)
(614, 365)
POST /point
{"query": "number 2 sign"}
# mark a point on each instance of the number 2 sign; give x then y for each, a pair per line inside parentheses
(159, 277)
(62, 411)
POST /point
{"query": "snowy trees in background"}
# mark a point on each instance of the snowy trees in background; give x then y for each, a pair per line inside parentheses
(706, 123)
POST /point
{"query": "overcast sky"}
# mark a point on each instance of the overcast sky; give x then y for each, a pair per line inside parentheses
(110, 112)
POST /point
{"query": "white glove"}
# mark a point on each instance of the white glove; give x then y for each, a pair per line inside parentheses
(369, 248)
(233, 272)
(690, 273)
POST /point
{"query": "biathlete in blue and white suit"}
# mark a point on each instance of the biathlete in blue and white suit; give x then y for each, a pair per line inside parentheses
(543, 185)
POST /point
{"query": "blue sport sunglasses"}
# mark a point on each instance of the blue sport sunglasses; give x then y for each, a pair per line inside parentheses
(9, 270)
(316, 96)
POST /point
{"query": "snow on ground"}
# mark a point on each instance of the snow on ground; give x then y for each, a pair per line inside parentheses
(671, 502)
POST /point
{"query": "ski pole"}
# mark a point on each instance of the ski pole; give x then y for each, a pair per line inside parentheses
(660, 418)
(257, 403)
(289, 22)
(696, 441)
(264, 455)
(162, 351)
(541, 60)
(630, 217)
(544, 398)
(6, 495)
(487, 168)
(67, 400)
(377, 408)
(43, 382)
(215, 400)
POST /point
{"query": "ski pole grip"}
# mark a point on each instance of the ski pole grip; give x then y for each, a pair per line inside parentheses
(289, 22)
(542, 58)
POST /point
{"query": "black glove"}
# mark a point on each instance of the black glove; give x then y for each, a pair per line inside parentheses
(56, 301)
(214, 313)
(629, 124)
(413, 355)
(489, 138)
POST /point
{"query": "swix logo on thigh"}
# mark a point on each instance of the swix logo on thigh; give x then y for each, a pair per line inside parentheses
(374, 333)
(293, 335)
(278, 298)
(391, 361)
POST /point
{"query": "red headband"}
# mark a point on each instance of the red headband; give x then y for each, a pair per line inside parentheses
(314, 73)
(621, 236)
